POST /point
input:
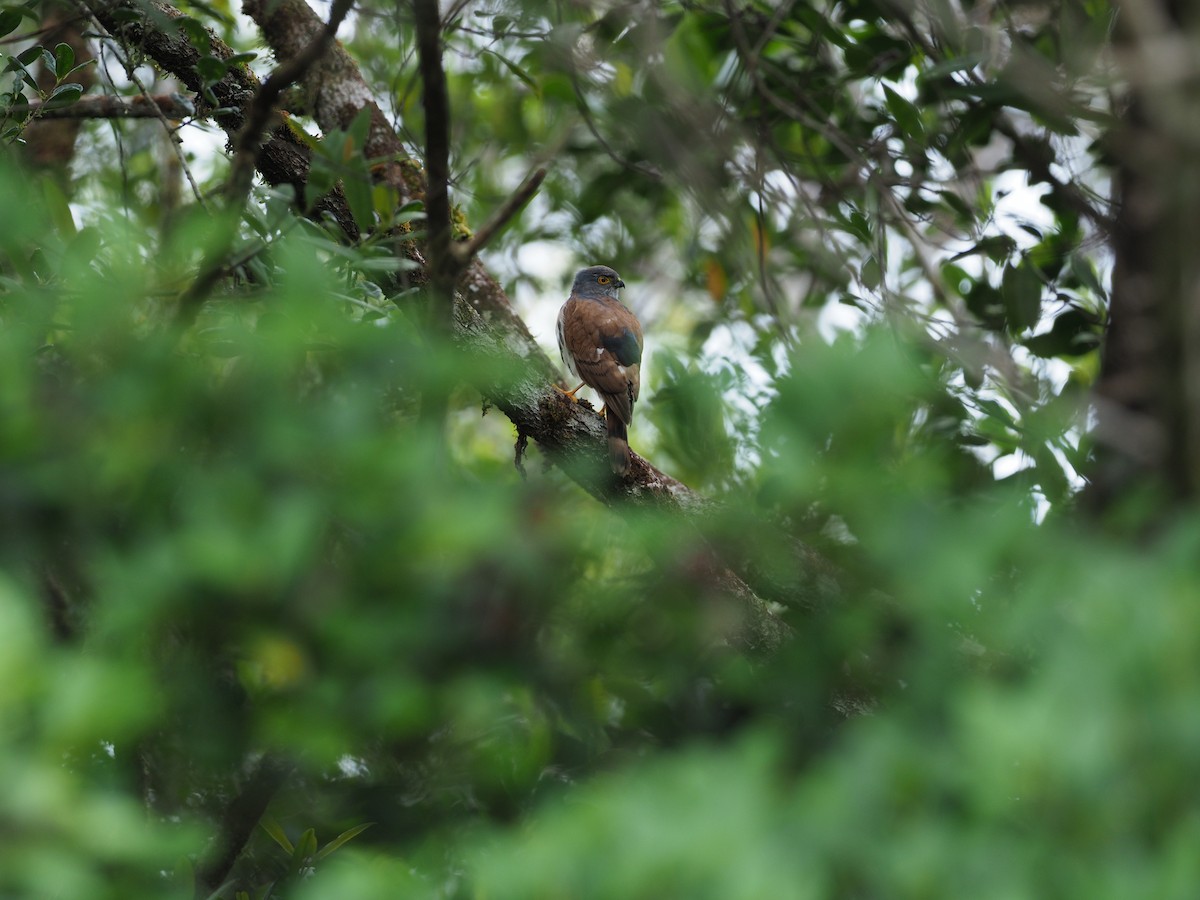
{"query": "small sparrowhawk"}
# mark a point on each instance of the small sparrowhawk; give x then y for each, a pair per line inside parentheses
(601, 342)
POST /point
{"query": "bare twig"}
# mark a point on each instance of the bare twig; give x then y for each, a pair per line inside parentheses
(109, 106)
(45, 31)
(586, 114)
(131, 74)
(500, 217)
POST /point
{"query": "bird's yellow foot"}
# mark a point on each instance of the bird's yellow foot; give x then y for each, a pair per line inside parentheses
(569, 394)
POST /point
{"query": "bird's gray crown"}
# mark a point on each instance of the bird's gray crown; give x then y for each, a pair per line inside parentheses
(597, 282)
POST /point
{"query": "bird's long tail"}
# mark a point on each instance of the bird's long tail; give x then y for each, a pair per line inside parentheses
(618, 443)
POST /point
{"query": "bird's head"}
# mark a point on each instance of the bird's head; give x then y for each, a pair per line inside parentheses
(597, 282)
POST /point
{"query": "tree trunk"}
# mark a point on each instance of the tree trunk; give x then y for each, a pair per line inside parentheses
(1148, 428)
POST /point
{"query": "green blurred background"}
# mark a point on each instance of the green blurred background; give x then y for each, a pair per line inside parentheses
(267, 631)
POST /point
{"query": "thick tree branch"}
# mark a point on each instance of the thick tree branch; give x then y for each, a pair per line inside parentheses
(335, 92)
(283, 159)
(261, 107)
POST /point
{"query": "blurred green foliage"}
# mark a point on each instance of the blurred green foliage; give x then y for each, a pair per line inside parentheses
(236, 550)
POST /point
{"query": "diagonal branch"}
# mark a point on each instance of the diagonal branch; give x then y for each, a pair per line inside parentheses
(259, 111)
(500, 217)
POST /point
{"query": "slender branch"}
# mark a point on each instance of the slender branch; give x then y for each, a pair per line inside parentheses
(639, 168)
(108, 106)
(168, 129)
(501, 216)
(444, 267)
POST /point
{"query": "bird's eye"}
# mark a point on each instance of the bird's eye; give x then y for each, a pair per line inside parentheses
(603, 279)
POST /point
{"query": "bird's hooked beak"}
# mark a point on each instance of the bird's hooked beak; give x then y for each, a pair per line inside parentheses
(620, 283)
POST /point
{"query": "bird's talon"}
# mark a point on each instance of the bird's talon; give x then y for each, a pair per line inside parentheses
(570, 395)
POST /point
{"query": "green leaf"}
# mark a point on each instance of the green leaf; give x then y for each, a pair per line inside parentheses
(66, 94)
(344, 838)
(1085, 271)
(20, 63)
(271, 827)
(858, 225)
(125, 15)
(58, 206)
(1074, 333)
(306, 848)
(320, 181)
(407, 214)
(1021, 291)
(211, 69)
(870, 274)
(10, 19)
(906, 115)
(64, 60)
(985, 302)
(32, 54)
(516, 70)
(950, 66)
(357, 188)
(83, 65)
(359, 131)
(197, 33)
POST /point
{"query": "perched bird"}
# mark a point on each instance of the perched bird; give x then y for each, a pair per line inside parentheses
(601, 342)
